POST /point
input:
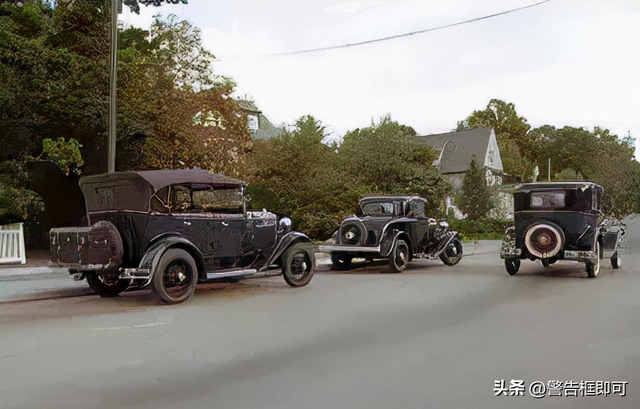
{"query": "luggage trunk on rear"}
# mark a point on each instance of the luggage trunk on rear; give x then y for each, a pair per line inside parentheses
(96, 248)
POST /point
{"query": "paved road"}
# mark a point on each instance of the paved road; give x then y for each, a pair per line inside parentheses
(432, 337)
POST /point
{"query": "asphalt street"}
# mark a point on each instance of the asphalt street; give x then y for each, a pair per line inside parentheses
(431, 337)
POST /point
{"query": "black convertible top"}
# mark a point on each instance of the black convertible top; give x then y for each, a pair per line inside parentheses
(165, 177)
(133, 190)
(526, 187)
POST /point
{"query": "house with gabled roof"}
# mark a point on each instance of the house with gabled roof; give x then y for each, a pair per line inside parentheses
(456, 149)
(259, 125)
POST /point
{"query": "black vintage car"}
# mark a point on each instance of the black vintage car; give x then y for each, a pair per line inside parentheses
(393, 228)
(171, 229)
(561, 221)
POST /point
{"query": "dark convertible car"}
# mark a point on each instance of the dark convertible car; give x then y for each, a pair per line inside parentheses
(171, 229)
(394, 228)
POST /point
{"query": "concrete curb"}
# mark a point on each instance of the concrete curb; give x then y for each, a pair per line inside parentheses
(30, 270)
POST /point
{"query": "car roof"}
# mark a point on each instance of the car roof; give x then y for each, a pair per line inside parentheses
(391, 197)
(579, 184)
(159, 179)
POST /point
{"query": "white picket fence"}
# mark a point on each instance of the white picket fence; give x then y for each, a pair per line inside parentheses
(12, 244)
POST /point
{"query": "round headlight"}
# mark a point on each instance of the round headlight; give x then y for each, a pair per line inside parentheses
(285, 223)
(444, 224)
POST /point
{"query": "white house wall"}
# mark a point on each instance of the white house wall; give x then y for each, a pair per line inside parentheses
(492, 158)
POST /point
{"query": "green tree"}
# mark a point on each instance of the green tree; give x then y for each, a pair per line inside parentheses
(475, 200)
(66, 154)
(517, 148)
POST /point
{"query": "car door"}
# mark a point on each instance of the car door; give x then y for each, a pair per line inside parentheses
(260, 239)
(226, 225)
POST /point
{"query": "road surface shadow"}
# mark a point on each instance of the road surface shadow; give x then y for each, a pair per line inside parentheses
(140, 300)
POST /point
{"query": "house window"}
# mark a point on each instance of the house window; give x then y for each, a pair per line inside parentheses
(252, 122)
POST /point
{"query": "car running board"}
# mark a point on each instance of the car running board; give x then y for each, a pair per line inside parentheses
(231, 274)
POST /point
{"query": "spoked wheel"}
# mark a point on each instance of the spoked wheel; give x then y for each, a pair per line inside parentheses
(176, 276)
(616, 261)
(107, 284)
(512, 265)
(298, 265)
(453, 253)
(340, 261)
(399, 257)
(593, 269)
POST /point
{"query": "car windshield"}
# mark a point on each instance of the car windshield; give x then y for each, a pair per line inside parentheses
(377, 209)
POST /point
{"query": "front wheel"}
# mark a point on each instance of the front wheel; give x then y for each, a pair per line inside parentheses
(298, 265)
(107, 284)
(399, 257)
(616, 261)
(453, 253)
(175, 276)
(512, 265)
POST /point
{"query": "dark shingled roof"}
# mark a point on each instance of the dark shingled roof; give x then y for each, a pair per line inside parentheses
(457, 148)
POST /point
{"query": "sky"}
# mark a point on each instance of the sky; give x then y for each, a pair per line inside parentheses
(564, 62)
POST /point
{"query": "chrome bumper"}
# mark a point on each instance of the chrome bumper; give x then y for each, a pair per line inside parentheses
(590, 256)
(136, 273)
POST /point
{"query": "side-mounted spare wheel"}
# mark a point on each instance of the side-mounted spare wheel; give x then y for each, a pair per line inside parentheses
(298, 264)
(175, 276)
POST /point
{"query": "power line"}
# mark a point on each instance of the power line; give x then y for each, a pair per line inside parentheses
(378, 40)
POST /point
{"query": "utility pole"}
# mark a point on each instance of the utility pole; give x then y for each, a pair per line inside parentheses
(116, 6)
(549, 171)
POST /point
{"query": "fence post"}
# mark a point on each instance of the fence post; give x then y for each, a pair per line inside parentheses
(12, 248)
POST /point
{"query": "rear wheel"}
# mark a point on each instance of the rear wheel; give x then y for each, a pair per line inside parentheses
(340, 261)
(298, 265)
(107, 284)
(399, 257)
(616, 261)
(175, 276)
(593, 269)
(512, 265)
(453, 253)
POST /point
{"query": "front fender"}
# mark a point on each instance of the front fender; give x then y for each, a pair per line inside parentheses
(286, 241)
(156, 249)
(387, 243)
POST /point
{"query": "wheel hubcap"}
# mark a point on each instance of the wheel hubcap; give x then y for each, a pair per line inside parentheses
(300, 265)
(178, 277)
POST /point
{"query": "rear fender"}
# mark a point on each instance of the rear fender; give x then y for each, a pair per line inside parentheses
(156, 249)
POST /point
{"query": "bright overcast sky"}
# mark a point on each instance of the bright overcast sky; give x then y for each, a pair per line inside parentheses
(565, 62)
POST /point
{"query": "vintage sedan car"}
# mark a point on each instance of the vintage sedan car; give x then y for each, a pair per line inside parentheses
(561, 221)
(172, 229)
(393, 228)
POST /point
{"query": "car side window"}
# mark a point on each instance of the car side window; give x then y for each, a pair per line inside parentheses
(218, 200)
(180, 199)
(416, 209)
(160, 201)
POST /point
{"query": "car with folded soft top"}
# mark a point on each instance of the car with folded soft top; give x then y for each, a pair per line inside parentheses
(172, 229)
